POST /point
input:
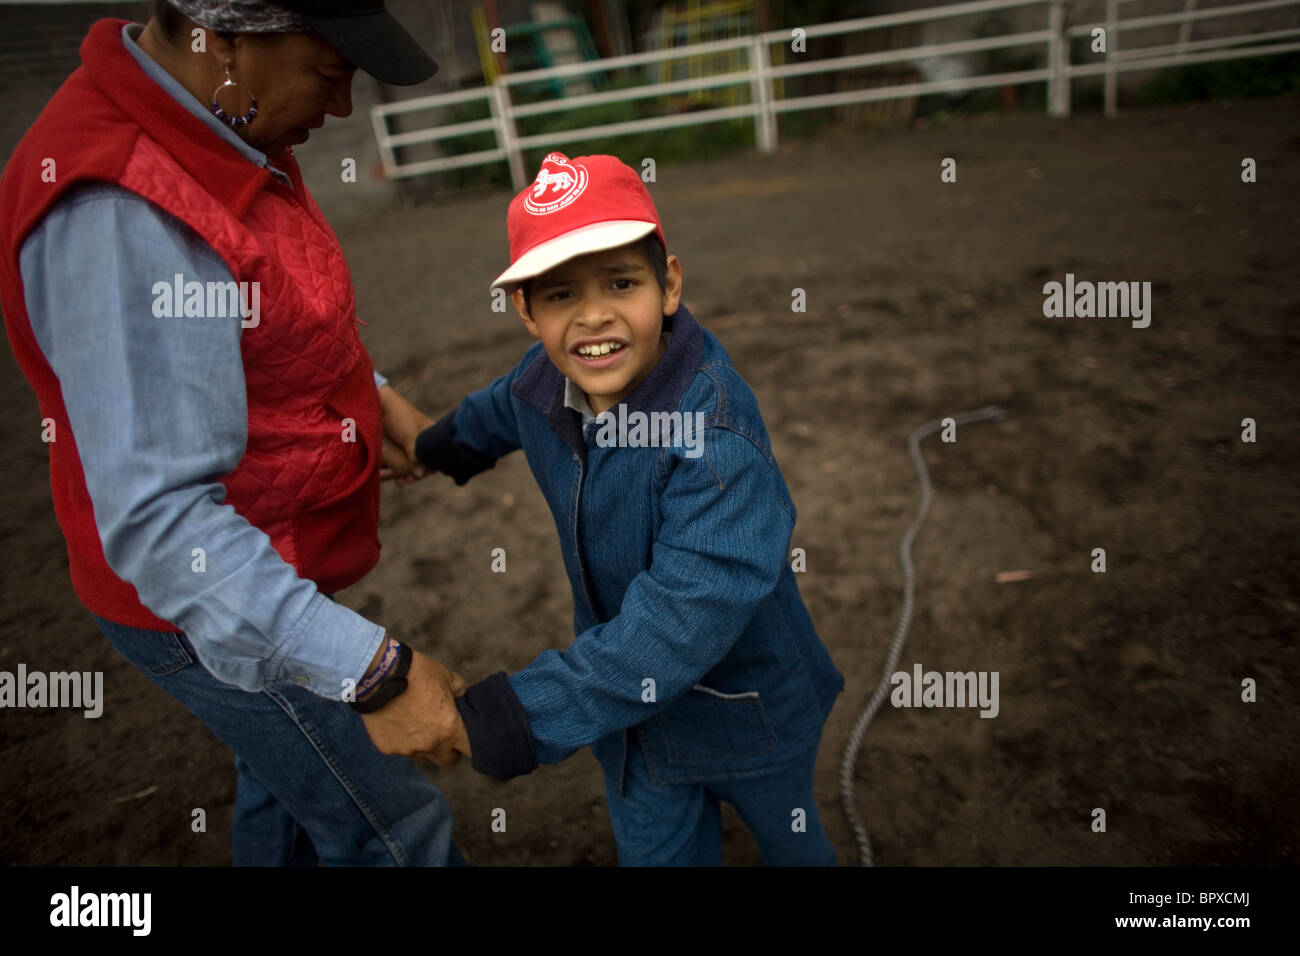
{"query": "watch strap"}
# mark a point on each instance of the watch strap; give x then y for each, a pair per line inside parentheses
(392, 686)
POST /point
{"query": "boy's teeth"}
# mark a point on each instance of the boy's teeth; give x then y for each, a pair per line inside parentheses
(593, 351)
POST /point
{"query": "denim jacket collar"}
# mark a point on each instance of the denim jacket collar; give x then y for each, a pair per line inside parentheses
(542, 386)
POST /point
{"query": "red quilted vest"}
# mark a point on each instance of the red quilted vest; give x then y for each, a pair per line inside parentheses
(314, 493)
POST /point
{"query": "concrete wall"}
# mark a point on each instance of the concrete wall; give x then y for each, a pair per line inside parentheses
(39, 46)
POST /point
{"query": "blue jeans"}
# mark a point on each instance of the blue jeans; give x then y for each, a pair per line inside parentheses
(311, 785)
(680, 824)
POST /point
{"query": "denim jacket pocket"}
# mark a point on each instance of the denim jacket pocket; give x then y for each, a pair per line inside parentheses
(708, 725)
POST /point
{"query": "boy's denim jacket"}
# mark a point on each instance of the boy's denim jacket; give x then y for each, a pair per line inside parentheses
(689, 623)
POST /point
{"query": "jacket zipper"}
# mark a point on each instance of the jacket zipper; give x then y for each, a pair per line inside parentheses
(577, 541)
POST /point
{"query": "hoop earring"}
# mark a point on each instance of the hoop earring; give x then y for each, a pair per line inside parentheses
(234, 122)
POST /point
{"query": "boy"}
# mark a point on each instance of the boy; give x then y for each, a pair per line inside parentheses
(696, 675)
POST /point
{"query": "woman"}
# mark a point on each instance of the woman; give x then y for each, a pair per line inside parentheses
(215, 457)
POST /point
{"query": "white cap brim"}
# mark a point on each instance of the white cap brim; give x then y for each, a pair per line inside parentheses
(593, 238)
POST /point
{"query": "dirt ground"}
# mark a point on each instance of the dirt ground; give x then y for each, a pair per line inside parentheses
(1120, 691)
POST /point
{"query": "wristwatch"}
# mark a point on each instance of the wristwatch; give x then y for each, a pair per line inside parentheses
(393, 685)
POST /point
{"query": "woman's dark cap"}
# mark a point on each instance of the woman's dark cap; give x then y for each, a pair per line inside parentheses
(369, 36)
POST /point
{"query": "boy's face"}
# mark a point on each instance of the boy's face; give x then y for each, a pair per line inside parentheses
(600, 317)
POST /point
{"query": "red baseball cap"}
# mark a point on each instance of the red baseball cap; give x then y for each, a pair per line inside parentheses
(573, 207)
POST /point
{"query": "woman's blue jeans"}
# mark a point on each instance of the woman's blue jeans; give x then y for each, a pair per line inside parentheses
(311, 785)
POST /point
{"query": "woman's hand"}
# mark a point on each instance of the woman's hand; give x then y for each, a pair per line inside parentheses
(403, 423)
(422, 721)
(395, 466)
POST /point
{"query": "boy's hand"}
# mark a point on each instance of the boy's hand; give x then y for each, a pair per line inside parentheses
(423, 720)
(403, 423)
(395, 465)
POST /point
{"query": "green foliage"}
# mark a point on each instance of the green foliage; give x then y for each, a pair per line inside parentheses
(666, 146)
(1277, 75)
(787, 14)
(470, 177)
(803, 124)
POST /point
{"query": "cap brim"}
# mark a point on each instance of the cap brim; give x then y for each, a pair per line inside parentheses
(378, 45)
(593, 238)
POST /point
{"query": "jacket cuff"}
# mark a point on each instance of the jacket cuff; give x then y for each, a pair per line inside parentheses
(497, 724)
(438, 449)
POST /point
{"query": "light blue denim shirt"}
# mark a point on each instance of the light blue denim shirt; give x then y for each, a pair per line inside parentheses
(158, 408)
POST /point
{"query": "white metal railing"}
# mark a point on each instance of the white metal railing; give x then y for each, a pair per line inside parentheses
(761, 75)
(1149, 57)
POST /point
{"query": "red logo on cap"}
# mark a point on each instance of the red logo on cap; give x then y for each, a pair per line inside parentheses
(558, 183)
